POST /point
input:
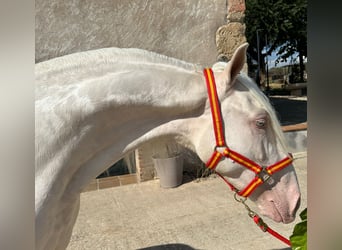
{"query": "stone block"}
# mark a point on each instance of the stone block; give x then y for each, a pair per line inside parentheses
(236, 6)
(235, 17)
(229, 37)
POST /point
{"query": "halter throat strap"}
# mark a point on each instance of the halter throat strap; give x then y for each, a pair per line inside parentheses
(221, 149)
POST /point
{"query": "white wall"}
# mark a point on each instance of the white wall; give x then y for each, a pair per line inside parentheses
(184, 29)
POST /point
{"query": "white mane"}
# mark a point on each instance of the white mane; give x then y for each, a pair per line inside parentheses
(112, 56)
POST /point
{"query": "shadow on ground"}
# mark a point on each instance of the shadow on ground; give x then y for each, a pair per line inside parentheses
(175, 246)
(183, 247)
(290, 111)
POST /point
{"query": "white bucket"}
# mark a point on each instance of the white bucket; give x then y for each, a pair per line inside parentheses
(169, 170)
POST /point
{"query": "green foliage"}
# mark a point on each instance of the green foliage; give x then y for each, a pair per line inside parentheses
(284, 23)
(299, 236)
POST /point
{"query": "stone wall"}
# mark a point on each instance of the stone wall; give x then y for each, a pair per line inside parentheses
(184, 29)
(232, 34)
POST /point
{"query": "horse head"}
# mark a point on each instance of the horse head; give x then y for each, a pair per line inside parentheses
(251, 137)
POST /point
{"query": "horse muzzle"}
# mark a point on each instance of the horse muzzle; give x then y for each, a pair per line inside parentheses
(278, 205)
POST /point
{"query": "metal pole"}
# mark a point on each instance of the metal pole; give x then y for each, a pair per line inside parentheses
(258, 71)
(267, 82)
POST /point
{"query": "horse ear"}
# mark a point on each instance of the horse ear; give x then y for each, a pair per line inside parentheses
(235, 65)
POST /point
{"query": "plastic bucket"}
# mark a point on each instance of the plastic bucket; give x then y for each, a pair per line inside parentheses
(169, 170)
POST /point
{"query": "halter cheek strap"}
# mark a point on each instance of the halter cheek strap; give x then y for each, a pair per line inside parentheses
(262, 174)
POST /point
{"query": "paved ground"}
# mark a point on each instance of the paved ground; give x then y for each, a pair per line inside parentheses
(195, 215)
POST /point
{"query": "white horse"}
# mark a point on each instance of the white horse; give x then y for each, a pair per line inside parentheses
(94, 107)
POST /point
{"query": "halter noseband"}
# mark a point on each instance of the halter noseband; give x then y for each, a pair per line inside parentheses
(262, 174)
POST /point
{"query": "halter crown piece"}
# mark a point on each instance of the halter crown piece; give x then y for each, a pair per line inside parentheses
(262, 174)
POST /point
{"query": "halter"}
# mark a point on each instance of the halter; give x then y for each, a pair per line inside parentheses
(262, 173)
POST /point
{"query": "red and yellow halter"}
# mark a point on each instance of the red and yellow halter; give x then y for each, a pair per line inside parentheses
(262, 174)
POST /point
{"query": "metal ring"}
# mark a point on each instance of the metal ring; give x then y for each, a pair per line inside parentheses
(223, 148)
(242, 200)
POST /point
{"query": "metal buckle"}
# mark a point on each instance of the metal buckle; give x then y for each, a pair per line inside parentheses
(262, 225)
(242, 200)
(265, 177)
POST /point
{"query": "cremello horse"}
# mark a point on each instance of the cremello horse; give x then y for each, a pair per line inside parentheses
(94, 107)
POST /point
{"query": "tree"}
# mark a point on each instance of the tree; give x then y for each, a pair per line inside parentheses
(284, 24)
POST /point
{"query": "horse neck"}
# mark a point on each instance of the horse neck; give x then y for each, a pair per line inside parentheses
(113, 114)
(144, 105)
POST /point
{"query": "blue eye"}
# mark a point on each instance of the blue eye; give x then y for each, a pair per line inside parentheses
(260, 123)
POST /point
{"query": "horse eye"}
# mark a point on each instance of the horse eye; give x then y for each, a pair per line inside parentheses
(260, 123)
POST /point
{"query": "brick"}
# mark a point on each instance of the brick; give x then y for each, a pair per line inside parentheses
(109, 182)
(92, 186)
(128, 179)
(236, 6)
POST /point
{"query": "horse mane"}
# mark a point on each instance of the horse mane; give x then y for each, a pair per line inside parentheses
(262, 99)
(113, 55)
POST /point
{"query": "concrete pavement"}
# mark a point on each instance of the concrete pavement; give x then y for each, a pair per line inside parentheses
(196, 215)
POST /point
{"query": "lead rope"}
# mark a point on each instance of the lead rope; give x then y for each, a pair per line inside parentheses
(256, 218)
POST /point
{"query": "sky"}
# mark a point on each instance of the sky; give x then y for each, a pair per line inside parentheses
(272, 58)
